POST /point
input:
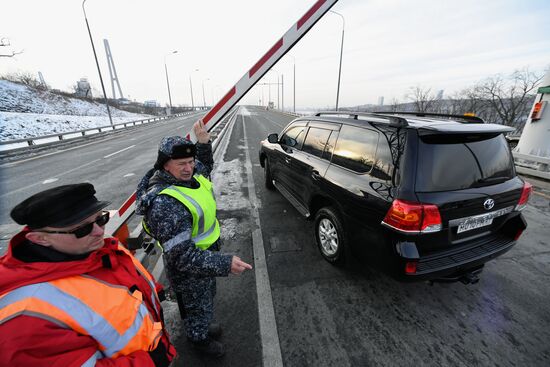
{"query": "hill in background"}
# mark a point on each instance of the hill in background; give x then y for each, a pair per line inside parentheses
(28, 112)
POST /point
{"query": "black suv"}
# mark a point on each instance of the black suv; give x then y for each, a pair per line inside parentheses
(429, 196)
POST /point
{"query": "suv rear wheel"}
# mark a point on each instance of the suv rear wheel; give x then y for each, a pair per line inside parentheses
(267, 176)
(330, 235)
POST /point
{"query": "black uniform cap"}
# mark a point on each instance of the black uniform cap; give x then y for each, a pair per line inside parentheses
(174, 147)
(58, 207)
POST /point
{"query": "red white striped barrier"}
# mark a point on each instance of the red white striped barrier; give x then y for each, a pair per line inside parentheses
(234, 95)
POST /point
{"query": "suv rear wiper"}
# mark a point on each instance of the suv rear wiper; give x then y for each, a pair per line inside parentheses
(493, 180)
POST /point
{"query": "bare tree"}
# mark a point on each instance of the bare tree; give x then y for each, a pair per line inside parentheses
(422, 98)
(507, 97)
(5, 42)
(394, 105)
(25, 78)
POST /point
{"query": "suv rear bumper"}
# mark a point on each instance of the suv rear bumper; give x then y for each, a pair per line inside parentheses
(454, 263)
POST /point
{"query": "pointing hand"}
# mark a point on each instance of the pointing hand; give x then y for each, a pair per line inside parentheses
(238, 266)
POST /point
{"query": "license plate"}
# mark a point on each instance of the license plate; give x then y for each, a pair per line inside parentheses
(483, 220)
(473, 224)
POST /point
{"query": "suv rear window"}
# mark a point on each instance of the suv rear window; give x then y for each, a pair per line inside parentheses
(454, 162)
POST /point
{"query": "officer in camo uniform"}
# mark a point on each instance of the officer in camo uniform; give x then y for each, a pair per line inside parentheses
(172, 197)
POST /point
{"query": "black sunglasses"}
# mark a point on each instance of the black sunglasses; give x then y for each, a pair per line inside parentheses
(87, 228)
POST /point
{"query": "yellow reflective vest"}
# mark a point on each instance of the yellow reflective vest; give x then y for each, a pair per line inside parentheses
(202, 205)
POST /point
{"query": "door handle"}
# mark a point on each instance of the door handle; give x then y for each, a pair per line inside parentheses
(315, 175)
(287, 160)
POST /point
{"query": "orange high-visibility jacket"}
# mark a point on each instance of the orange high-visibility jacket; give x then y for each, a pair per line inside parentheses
(121, 319)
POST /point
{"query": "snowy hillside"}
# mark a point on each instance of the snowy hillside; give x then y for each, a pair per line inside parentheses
(26, 112)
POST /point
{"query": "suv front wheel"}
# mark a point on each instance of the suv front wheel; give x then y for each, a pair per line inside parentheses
(330, 236)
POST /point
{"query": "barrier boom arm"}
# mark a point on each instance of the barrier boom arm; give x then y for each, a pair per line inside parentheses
(251, 77)
(234, 95)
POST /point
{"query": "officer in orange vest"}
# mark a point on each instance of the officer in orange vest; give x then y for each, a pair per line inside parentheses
(69, 297)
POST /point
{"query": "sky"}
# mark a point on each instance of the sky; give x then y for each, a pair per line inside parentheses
(389, 46)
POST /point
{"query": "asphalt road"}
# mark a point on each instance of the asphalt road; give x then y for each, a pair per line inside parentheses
(113, 164)
(323, 315)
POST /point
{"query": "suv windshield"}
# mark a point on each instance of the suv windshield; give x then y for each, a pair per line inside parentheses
(462, 161)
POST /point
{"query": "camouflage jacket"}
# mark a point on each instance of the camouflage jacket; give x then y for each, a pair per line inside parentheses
(168, 219)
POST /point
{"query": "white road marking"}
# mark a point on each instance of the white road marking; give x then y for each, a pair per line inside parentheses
(7, 165)
(271, 349)
(120, 151)
(50, 180)
(59, 175)
(129, 175)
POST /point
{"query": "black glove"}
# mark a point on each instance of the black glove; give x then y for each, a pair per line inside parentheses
(160, 355)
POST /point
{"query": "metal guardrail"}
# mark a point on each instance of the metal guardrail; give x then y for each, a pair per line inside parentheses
(37, 140)
(531, 167)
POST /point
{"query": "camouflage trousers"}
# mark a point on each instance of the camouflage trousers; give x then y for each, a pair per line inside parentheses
(195, 298)
(196, 303)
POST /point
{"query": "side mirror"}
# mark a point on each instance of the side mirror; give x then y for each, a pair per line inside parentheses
(273, 138)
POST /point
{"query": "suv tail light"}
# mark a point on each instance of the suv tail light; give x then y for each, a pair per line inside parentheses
(525, 193)
(410, 217)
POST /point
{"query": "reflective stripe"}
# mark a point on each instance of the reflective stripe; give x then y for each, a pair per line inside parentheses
(93, 359)
(180, 237)
(204, 235)
(89, 320)
(144, 273)
(198, 208)
(201, 203)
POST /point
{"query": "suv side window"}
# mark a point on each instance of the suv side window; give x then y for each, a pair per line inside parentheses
(383, 165)
(316, 140)
(355, 149)
(327, 154)
(293, 137)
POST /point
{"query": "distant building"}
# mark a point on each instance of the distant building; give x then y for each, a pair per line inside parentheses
(151, 103)
(439, 95)
(83, 88)
(381, 100)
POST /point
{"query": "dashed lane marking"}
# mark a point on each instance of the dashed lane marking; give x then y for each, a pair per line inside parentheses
(59, 175)
(119, 151)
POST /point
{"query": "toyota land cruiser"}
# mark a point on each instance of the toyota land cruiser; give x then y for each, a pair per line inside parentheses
(430, 196)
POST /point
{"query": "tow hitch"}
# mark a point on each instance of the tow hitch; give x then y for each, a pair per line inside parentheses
(470, 276)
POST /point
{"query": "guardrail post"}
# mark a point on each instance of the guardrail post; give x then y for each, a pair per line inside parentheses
(60, 137)
(30, 142)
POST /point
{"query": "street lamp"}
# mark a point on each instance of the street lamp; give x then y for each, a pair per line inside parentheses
(191, 88)
(203, 97)
(166, 71)
(97, 64)
(341, 50)
(277, 86)
(294, 83)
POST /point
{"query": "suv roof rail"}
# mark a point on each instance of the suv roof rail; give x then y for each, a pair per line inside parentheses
(460, 118)
(392, 120)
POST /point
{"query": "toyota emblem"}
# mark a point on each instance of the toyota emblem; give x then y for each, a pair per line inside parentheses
(489, 204)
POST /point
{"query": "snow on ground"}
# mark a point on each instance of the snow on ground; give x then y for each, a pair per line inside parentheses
(27, 112)
(22, 125)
